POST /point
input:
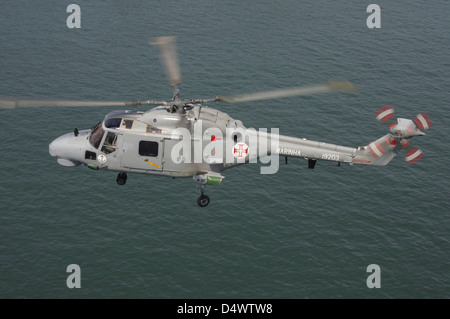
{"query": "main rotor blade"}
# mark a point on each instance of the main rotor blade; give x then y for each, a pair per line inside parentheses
(168, 55)
(11, 103)
(287, 92)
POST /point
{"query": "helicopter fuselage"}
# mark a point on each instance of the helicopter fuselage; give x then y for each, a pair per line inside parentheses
(144, 142)
(201, 142)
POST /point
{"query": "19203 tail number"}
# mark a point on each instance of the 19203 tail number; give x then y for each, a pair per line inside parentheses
(330, 157)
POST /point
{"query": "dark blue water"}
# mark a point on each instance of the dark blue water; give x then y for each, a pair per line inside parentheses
(299, 233)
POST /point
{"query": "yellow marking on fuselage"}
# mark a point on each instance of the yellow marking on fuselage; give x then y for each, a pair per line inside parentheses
(153, 164)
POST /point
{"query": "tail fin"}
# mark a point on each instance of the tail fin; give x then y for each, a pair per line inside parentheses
(378, 153)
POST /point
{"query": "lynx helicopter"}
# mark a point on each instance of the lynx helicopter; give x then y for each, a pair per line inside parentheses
(130, 141)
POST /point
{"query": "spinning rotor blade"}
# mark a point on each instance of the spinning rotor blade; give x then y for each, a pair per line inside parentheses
(422, 121)
(295, 91)
(168, 54)
(412, 154)
(11, 103)
(386, 115)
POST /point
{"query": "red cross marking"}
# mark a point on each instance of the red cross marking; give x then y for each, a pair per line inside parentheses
(240, 150)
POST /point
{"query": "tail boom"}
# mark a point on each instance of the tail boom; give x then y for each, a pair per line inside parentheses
(377, 153)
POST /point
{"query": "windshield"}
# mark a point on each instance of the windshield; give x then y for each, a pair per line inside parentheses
(96, 135)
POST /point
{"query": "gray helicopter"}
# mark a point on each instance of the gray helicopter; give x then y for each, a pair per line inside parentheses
(186, 138)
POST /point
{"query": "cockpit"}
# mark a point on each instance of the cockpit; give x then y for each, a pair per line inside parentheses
(97, 133)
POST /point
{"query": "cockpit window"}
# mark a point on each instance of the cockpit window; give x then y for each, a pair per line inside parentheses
(109, 145)
(96, 135)
(113, 122)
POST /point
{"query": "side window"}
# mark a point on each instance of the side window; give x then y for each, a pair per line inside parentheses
(147, 148)
(90, 155)
(128, 124)
(152, 129)
(109, 145)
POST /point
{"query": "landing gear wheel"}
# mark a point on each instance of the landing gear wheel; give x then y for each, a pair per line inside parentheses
(203, 200)
(121, 178)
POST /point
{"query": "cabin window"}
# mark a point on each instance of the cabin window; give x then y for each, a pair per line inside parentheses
(147, 148)
(113, 122)
(128, 124)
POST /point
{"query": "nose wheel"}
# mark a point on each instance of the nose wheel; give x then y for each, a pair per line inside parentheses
(121, 178)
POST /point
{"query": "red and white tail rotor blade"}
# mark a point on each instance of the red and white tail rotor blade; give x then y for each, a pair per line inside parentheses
(412, 153)
(386, 115)
(423, 121)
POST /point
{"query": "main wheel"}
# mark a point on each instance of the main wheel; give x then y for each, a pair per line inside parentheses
(121, 178)
(203, 200)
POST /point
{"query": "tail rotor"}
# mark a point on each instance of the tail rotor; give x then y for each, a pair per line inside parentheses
(402, 130)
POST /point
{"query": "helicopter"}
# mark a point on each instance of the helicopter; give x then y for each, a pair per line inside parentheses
(186, 138)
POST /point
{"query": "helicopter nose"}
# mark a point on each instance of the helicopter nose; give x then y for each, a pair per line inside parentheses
(68, 150)
(53, 147)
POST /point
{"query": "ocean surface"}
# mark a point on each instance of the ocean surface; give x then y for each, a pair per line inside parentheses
(299, 233)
